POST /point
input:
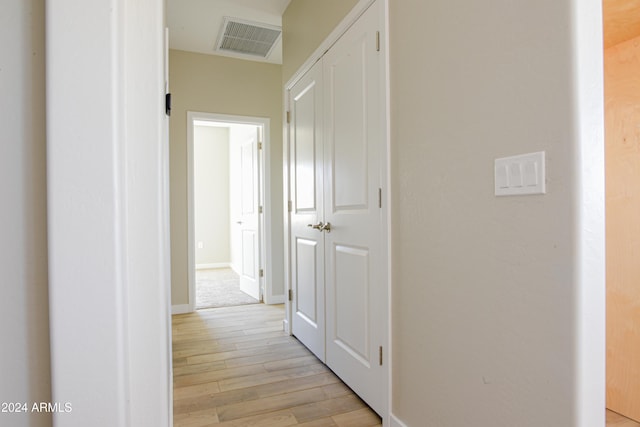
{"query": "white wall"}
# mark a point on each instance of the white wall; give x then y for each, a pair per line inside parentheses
(498, 303)
(107, 159)
(24, 323)
(211, 196)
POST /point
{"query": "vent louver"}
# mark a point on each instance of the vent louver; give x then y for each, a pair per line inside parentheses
(247, 38)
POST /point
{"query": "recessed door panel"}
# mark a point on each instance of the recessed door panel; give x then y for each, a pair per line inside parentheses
(348, 139)
(249, 246)
(304, 147)
(247, 161)
(306, 278)
(352, 306)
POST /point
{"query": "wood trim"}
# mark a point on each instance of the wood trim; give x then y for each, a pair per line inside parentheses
(621, 21)
(622, 95)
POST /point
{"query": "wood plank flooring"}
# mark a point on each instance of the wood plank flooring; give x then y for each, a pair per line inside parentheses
(234, 366)
(617, 420)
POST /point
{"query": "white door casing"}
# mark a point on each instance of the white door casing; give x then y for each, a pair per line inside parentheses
(306, 180)
(250, 218)
(263, 190)
(107, 211)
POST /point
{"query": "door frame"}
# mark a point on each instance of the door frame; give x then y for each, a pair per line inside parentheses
(108, 213)
(265, 259)
(385, 180)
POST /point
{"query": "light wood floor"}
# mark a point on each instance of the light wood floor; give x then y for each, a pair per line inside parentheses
(234, 366)
(616, 420)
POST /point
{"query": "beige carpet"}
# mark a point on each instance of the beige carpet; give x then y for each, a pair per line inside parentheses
(220, 287)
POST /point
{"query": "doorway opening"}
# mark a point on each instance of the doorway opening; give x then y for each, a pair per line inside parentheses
(227, 228)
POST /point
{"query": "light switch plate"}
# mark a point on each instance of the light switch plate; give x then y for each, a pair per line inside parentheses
(520, 175)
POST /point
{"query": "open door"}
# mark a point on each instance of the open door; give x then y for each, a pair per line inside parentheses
(250, 217)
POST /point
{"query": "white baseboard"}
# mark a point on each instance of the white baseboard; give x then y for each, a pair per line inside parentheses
(285, 325)
(213, 265)
(274, 299)
(180, 309)
(395, 422)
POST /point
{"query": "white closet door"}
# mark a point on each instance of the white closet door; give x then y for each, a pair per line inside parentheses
(352, 142)
(306, 181)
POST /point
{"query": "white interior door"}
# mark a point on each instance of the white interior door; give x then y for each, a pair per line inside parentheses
(249, 218)
(355, 289)
(306, 181)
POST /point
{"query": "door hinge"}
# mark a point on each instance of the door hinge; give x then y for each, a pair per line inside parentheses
(379, 197)
(261, 272)
(288, 117)
(167, 104)
(380, 355)
(290, 294)
(260, 209)
(259, 145)
(377, 41)
(290, 207)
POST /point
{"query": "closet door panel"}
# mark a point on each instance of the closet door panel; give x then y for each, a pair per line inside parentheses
(348, 132)
(306, 188)
(352, 302)
(352, 146)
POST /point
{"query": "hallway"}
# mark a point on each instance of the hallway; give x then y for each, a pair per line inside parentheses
(235, 366)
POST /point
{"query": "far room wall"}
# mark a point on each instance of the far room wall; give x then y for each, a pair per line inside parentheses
(211, 196)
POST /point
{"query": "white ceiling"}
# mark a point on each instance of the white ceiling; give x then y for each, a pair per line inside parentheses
(194, 25)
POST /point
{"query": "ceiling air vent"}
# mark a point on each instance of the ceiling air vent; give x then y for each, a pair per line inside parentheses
(247, 38)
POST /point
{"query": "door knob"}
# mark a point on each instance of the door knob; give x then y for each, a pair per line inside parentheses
(238, 222)
(326, 227)
(319, 226)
